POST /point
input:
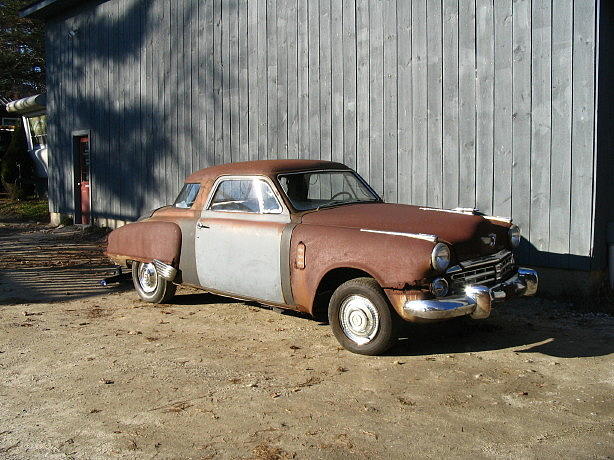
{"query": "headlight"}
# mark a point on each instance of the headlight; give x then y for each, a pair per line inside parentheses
(514, 234)
(439, 287)
(440, 257)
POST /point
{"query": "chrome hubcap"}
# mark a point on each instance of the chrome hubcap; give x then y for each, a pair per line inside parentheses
(359, 319)
(148, 278)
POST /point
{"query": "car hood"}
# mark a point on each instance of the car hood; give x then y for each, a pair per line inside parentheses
(462, 231)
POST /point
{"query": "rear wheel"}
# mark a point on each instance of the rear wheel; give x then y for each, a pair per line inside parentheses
(149, 285)
(361, 317)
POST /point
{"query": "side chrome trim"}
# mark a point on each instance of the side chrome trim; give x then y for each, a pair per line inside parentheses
(168, 272)
(285, 262)
(453, 211)
(506, 220)
(420, 236)
(470, 211)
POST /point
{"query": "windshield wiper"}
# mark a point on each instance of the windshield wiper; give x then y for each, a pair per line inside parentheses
(341, 203)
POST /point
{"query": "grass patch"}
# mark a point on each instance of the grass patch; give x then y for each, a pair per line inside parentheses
(35, 210)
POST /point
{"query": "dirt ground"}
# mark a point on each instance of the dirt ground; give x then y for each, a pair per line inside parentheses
(92, 372)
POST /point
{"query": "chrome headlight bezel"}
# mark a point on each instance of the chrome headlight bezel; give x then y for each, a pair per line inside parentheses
(440, 257)
(514, 235)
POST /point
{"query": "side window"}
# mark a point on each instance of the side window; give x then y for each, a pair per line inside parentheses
(187, 196)
(245, 195)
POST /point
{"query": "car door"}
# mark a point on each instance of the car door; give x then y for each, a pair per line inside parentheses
(238, 239)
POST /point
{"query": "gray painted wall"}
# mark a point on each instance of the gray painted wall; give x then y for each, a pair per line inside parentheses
(436, 102)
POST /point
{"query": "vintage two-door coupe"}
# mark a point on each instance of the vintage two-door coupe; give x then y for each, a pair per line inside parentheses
(313, 236)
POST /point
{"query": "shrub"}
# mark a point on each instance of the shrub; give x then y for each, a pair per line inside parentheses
(17, 168)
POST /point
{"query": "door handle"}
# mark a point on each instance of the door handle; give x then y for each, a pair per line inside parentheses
(201, 225)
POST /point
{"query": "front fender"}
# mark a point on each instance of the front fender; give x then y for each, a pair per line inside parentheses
(394, 261)
(145, 241)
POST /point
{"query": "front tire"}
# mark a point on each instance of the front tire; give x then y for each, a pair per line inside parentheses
(361, 317)
(149, 285)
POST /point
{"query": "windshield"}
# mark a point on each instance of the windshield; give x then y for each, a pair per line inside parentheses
(312, 190)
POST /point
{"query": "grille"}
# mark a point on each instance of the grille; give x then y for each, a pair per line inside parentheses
(485, 271)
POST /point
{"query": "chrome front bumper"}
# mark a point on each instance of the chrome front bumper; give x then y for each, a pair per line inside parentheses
(477, 300)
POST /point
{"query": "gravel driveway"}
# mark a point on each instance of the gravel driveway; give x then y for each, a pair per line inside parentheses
(92, 372)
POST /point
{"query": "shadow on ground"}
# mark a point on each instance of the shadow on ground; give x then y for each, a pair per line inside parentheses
(39, 264)
(529, 325)
(203, 298)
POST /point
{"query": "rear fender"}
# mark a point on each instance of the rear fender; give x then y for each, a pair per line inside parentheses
(145, 241)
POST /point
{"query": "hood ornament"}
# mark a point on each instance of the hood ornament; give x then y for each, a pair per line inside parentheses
(490, 240)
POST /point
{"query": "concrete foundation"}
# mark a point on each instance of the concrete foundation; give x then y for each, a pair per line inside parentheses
(556, 282)
(58, 218)
(55, 218)
(109, 223)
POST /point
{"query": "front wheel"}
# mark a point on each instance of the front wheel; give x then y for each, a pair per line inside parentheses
(149, 285)
(361, 317)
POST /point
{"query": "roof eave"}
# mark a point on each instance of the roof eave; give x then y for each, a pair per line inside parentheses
(36, 10)
(43, 9)
(27, 105)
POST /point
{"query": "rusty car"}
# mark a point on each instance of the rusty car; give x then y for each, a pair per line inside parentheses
(314, 237)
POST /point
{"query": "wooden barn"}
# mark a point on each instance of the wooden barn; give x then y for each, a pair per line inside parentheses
(502, 105)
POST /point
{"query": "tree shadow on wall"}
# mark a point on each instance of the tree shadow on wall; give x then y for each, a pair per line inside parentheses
(133, 74)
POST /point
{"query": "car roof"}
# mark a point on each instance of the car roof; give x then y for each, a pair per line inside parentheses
(261, 167)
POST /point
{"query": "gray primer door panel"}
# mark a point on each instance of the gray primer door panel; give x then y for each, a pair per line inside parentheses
(239, 253)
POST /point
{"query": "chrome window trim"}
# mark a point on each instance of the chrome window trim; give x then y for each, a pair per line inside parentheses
(266, 179)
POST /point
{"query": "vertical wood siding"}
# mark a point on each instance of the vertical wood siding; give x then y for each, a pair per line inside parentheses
(473, 103)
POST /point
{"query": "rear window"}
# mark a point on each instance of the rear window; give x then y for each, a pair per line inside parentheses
(187, 196)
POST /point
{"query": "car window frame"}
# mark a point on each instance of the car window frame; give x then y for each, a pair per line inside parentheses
(265, 179)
